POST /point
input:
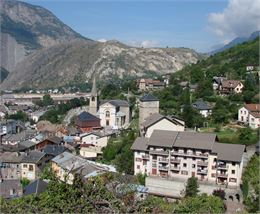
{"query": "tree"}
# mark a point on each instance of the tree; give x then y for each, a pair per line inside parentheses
(25, 182)
(192, 187)
(201, 204)
(20, 115)
(47, 100)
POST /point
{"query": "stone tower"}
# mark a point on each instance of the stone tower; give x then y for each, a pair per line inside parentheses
(93, 101)
(148, 105)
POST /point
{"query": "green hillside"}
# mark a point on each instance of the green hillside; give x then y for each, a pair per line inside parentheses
(230, 63)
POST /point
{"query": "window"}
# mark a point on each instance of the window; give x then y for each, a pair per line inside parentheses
(233, 171)
(25, 166)
(241, 112)
(232, 180)
(107, 122)
(30, 167)
(184, 158)
(213, 175)
(193, 158)
(213, 167)
(193, 166)
(184, 165)
(107, 114)
(184, 172)
(91, 138)
(138, 166)
(233, 164)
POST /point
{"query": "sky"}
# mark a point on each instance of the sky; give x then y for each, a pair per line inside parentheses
(202, 25)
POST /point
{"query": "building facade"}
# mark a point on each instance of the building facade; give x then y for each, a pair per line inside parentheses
(249, 115)
(171, 154)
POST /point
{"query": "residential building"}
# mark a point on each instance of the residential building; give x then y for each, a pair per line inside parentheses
(3, 111)
(32, 164)
(157, 121)
(95, 138)
(13, 139)
(148, 105)
(54, 150)
(90, 151)
(10, 167)
(172, 154)
(10, 188)
(66, 165)
(203, 107)
(231, 87)
(8, 127)
(249, 115)
(35, 116)
(53, 140)
(87, 122)
(150, 84)
(216, 82)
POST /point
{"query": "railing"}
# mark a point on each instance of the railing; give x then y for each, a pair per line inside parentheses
(190, 154)
(145, 156)
(222, 166)
(163, 160)
(175, 168)
(202, 163)
(175, 160)
(164, 168)
(222, 175)
(202, 171)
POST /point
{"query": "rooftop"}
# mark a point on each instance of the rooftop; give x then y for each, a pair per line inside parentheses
(252, 107)
(36, 187)
(201, 105)
(33, 157)
(86, 116)
(148, 98)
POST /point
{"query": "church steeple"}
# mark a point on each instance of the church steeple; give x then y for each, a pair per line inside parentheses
(93, 102)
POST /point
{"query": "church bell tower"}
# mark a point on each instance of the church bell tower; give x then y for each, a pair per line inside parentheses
(93, 102)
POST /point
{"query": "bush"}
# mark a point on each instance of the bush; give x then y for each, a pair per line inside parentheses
(219, 193)
(192, 187)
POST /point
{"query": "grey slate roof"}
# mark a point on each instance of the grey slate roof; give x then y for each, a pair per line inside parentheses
(62, 157)
(36, 187)
(201, 105)
(11, 157)
(162, 138)
(54, 150)
(148, 97)
(7, 185)
(119, 103)
(56, 140)
(229, 152)
(140, 144)
(152, 119)
(27, 143)
(33, 157)
(195, 140)
(86, 116)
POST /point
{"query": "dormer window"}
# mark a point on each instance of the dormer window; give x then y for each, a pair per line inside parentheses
(107, 114)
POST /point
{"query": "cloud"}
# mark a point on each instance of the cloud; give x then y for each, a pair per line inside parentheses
(102, 40)
(144, 43)
(240, 18)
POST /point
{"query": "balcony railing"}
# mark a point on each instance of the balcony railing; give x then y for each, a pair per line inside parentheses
(163, 160)
(175, 160)
(202, 171)
(164, 168)
(202, 163)
(190, 154)
(222, 175)
(222, 166)
(175, 168)
(145, 156)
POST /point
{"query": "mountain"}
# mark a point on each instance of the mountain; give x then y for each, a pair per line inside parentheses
(26, 28)
(236, 41)
(78, 61)
(39, 51)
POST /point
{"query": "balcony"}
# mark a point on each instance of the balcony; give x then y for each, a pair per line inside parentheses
(163, 168)
(202, 163)
(202, 171)
(165, 160)
(175, 168)
(174, 160)
(222, 166)
(222, 175)
(190, 154)
(147, 157)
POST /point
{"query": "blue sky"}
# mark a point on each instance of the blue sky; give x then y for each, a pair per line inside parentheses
(177, 23)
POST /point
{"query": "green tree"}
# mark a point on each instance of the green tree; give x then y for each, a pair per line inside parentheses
(25, 182)
(192, 187)
(200, 204)
(20, 115)
(47, 100)
(219, 193)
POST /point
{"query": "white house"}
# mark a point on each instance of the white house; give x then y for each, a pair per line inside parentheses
(204, 108)
(160, 122)
(94, 138)
(249, 115)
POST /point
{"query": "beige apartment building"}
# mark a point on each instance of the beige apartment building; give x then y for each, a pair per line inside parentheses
(173, 154)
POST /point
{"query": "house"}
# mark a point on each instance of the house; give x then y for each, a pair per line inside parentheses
(66, 165)
(90, 151)
(149, 84)
(32, 164)
(10, 188)
(159, 122)
(53, 140)
(13, 139)
(28, 144)
(114, 114)
(87, 122)
(98, 139)
(3, 111)
(231, 87)
(8, 127)
(249, 115)
(203, 107)
(180, 155)
(54, 150)
(10, 167)
(35, 116)
(216, 82)
(36, 187)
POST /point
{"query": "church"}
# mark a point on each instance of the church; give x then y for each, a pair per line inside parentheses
(113, 114)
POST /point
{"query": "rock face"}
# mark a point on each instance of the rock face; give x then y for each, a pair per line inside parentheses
(78, 61)
(26, 28)
(39, 51)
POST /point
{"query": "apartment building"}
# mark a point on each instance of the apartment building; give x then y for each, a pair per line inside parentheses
(172, 154)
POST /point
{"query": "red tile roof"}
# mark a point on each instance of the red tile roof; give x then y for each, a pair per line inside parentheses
(230, 83)
(252, 107)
